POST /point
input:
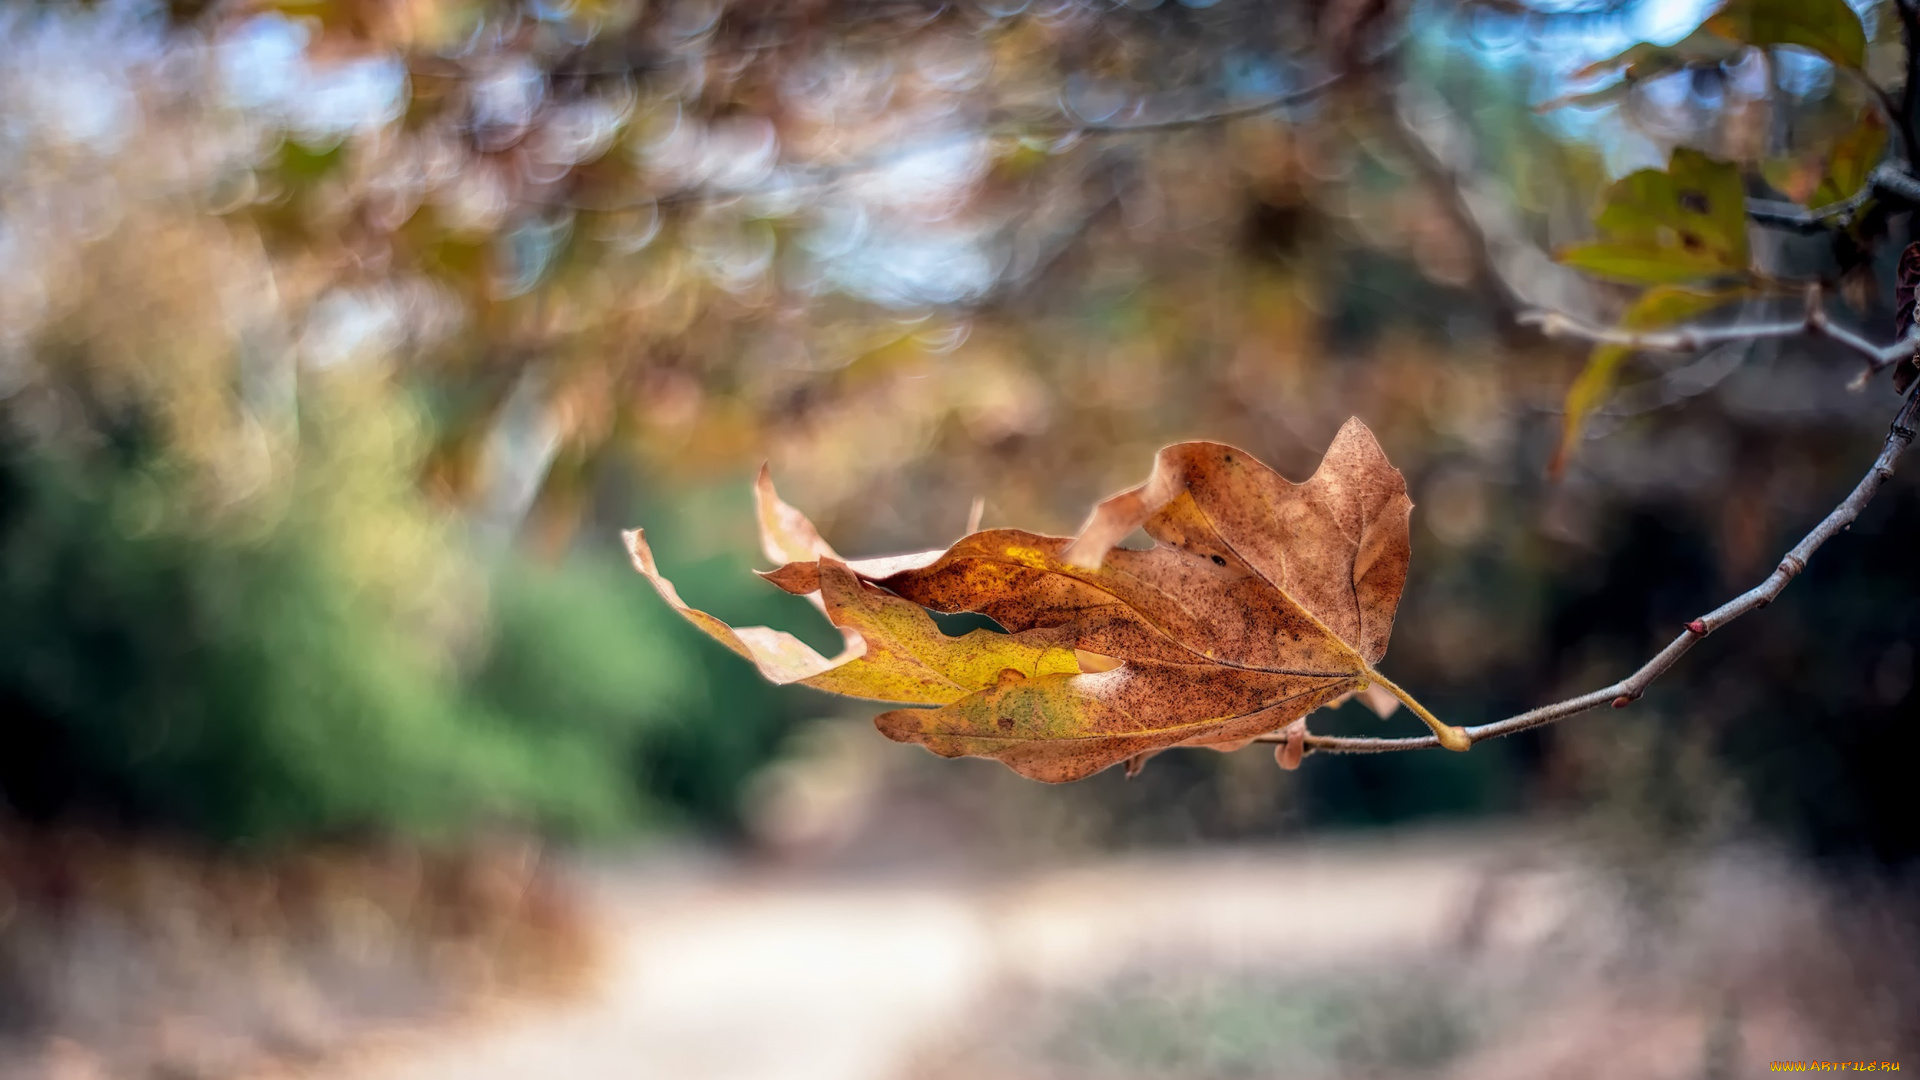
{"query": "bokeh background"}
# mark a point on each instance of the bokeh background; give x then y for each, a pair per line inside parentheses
(339, 339)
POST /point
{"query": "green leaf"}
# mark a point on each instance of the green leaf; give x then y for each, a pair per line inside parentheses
(299, 167)
(1655, 309)
(1828, 27)
(1638, 264)
(1698, 199)
(1687, 223)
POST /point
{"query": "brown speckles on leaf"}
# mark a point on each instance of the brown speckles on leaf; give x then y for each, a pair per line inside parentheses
(1071, 726)
(1337, 544)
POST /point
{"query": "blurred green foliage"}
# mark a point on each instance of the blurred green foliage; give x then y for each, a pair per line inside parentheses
(248, 688)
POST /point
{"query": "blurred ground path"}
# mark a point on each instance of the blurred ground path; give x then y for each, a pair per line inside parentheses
(732, 975)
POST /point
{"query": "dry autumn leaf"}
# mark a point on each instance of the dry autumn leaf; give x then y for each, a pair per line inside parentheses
(1260, 601)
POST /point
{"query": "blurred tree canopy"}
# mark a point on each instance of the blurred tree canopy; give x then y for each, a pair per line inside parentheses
(336, 337)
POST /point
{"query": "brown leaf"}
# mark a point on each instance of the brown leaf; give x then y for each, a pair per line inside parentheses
(1260, 601)
(1337, 544)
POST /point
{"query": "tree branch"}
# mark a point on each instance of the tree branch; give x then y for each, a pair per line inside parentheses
(1628, 690)
(815, 178)
(1258, 107)
(1896, 183)
(1694, 338)
(1887, 181)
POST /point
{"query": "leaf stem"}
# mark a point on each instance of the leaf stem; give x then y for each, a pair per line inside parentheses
(1451, 737)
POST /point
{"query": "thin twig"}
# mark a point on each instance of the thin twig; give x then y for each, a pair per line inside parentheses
(1694, 338)
(1258, 107)
(1779, 214)
(818, 179)
(1628, 690)
(1887, 181)
(1063, 129)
